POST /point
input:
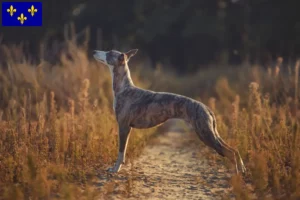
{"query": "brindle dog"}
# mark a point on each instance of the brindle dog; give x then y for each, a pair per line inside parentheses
(138, 108)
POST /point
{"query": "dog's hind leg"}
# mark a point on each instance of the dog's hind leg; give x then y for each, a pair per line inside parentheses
(236, 154)
(211, 138)
(224, 149)
(124, 132)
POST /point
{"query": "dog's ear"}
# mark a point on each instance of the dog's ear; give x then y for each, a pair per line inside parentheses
(131, 53)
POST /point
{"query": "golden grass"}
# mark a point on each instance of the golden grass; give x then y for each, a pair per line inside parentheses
(58, 128)
(257, 111)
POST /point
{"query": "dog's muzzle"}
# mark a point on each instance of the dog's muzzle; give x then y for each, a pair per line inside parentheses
(100, 56)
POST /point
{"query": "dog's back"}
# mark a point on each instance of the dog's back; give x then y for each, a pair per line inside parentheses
(145, 108)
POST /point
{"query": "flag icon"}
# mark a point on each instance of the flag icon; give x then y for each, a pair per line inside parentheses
(22, 14)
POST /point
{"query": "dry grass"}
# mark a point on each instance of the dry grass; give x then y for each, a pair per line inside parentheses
(57, 126)
(257, 112)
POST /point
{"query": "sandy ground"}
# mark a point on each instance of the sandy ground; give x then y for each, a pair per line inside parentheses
(173, 166)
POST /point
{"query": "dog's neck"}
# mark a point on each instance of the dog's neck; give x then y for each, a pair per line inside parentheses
(121, 79)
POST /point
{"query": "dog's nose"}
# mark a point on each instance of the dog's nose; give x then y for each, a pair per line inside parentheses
(96, 52)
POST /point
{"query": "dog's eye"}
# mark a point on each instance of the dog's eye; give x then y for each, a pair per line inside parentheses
(121, 57)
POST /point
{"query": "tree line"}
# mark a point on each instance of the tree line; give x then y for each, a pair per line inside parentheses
(185, 34)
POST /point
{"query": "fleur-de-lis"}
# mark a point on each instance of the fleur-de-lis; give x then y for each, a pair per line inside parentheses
(32, 10)
(11, 10)
(22, 18)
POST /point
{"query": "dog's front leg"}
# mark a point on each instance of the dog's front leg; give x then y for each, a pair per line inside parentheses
(124, 132)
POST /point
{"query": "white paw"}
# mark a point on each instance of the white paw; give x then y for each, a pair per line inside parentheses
(243, 168)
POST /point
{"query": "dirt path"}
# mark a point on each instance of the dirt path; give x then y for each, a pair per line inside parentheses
(174, 166)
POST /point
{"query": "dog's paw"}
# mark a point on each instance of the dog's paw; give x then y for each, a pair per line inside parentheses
(244, 169)
(113, 169)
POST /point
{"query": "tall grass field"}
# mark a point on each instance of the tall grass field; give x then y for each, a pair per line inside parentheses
(57, 126)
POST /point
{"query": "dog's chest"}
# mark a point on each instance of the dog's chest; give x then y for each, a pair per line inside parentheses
(114, 104)
(118, 104)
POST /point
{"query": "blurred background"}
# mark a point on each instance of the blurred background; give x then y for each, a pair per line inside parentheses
(185, 35)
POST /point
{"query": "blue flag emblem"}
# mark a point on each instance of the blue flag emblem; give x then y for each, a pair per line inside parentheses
(22, 14)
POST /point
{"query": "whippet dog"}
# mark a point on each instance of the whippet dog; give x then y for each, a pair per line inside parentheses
(139, 108)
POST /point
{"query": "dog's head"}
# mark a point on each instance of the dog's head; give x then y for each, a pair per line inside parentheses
(114, 59)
